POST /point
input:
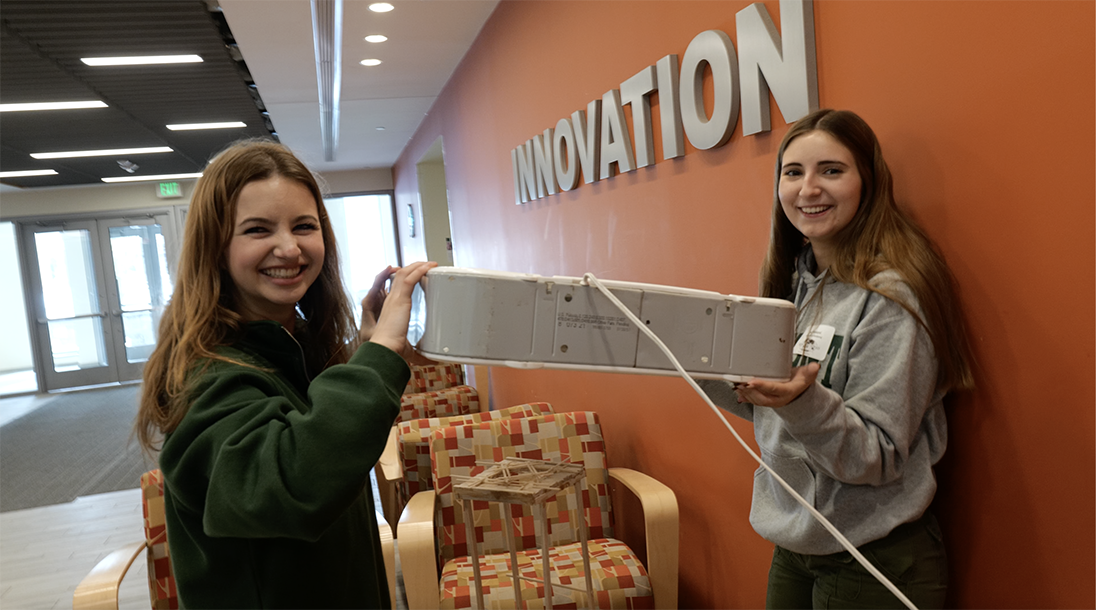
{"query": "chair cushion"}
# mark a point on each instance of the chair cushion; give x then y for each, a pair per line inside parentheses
(619, 579)
(161, 580)
(414, 442)
(458, 452)
(434, 377)
(457, 400)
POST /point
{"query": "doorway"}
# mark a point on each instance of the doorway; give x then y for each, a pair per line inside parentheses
(97, 290)
(434, 203)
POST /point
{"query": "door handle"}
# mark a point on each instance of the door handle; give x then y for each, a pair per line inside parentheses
(101, 314)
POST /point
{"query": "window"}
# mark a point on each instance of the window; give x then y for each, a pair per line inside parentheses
(365, 234)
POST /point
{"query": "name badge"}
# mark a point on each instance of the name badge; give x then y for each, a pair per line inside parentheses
(815, 343)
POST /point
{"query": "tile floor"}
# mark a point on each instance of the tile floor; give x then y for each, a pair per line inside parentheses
(46, 551)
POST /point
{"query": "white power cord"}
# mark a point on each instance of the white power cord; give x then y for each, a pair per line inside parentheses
(590, 279)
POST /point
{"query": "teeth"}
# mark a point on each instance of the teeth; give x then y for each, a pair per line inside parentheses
(815, 209)
(281, 272)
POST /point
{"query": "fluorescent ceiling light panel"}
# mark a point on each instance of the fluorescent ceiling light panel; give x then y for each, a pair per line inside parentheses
(28, 172)
(189, 126)
(327, 22)
(144, 60)
(151, 178)
(376, 38)
(51, 106)
(371, 62)
(381, 7)
(101, 153)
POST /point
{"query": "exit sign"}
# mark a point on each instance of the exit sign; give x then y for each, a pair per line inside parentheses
(169, 190)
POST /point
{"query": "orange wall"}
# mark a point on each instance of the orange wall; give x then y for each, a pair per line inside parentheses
(986, 113)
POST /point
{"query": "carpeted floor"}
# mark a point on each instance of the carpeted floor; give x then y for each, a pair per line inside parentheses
(78, 444)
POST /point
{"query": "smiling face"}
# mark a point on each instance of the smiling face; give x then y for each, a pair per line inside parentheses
(819, 190)
(277, 249)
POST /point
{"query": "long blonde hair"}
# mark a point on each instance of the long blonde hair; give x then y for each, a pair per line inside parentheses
(202, 313)
(879, 237)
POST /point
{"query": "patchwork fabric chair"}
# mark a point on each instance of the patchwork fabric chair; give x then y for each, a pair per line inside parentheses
(434, 377)
(432, 519)
(447, 402)
(436, 390)
(404, 468)
(457, 400)
(414, 442)
(99, 589)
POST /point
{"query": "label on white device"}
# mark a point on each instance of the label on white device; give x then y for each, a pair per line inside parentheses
(815, 343)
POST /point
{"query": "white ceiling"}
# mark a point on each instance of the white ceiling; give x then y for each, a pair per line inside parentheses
(426, 41)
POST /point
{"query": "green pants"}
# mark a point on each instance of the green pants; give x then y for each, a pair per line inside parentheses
(912, 557)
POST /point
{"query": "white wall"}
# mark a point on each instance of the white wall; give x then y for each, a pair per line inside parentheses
(358, 181)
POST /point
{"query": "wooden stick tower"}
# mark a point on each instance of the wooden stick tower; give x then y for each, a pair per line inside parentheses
(532, 483)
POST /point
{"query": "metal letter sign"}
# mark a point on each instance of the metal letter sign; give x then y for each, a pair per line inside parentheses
(715, 49)
(592, 140)
(789, 66)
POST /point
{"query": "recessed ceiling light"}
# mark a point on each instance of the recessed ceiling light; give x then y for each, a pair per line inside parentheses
(150, 178)
(51, 106)
(376, 38)
(141, 60)
(371, 62)
(101, 153)
(380, 129)
(189, 126)
(381, 7)
(28, 172)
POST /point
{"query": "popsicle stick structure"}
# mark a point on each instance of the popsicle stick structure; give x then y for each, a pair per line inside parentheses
(532, 483)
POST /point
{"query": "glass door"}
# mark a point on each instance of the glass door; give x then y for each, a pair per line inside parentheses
(72, 328)
(140, 286)
(99, 288)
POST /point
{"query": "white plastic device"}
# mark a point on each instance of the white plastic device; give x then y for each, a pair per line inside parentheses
(532, 321)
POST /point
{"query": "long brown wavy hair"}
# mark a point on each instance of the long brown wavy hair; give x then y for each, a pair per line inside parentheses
(879, 237)
(202, 312)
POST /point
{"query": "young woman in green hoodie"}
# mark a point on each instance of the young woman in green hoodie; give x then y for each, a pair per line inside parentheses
(268, 409)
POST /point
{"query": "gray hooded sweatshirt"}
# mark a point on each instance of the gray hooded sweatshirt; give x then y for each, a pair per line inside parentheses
(859, 444)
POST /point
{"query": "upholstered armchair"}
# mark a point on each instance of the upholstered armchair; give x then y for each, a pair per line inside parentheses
(433, 541)
(446, 402)
(434, 377)
(405, 464)
(99, 589)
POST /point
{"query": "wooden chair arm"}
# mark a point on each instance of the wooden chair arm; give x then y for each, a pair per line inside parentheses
(389, 462)
(99, 589)
(417, 559)
(388, 550)
(389, 473)
(481, 380)
(660, 521)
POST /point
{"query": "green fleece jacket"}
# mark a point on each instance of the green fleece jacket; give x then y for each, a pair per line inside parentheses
(267, 489)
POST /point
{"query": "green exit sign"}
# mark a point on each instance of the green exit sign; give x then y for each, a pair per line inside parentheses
(168, 190)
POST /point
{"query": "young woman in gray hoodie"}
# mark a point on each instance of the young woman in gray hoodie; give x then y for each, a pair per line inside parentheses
(858, 428)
